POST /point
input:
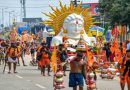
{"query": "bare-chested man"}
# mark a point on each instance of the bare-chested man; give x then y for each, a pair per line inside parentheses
(77, 67)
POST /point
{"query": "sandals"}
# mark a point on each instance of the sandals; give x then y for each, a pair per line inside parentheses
(15, 72)
(49, 75)
(9, 72)
(24, 65)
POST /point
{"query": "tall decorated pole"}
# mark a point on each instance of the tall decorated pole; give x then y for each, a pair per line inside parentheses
(58, 82)
(54, 62)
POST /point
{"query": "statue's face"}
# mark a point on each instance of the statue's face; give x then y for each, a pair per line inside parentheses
(74, 24)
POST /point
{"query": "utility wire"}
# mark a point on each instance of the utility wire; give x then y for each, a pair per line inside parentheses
(27, 7)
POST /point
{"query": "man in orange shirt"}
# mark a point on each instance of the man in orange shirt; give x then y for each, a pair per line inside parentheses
(44, 61)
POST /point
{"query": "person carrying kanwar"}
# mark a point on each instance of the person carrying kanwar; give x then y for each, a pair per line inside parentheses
(12, 55)
(39, 45)
(126, 73)
(44, 58)
(91, 67)
(21, 54)
(32, 51)
(77, 71)
(62, 54)
(121, 65)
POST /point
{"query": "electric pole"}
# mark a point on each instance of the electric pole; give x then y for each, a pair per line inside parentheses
(2, 25)
(9, 19)
(23, 9)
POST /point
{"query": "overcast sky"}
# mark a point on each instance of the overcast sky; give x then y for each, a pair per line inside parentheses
(33, 8)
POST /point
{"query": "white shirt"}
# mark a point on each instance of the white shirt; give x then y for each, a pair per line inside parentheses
(128, 46)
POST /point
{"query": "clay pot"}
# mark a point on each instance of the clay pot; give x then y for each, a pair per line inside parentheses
(60, 86)
(59, 74)
(91, 86)
(92, 81)
(58, 80)
(91, 75)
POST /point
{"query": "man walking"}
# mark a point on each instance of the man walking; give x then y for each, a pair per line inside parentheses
(76, 76)
(127, 70)
(12, 56)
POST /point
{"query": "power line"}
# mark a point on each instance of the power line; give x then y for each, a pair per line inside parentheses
(27, 7)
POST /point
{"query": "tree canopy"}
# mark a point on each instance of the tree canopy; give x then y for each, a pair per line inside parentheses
(115, 11)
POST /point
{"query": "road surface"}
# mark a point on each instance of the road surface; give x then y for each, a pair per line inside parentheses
(29, 78)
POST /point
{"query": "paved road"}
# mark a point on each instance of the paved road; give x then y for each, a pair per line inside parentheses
(29, 78)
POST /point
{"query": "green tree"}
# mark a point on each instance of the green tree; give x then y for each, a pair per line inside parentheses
(115, 11)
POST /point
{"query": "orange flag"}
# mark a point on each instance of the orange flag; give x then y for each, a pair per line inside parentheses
(54, 61)
(124, 48)
(114, 46)
(89, 55)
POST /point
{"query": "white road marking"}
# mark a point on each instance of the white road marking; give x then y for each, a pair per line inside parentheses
(19, 76)
(40, 86)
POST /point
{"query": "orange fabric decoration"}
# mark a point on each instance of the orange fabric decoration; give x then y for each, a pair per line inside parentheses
(45, 59)
(128, 80)
(114, 46)
(103, 55)
(112, 49)
(118, 55)
(89, 55)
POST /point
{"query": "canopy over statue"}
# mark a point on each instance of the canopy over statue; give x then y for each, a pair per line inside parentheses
(70, 22)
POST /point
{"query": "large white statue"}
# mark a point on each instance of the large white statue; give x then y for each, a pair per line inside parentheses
(70, 22)
(74, 24)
